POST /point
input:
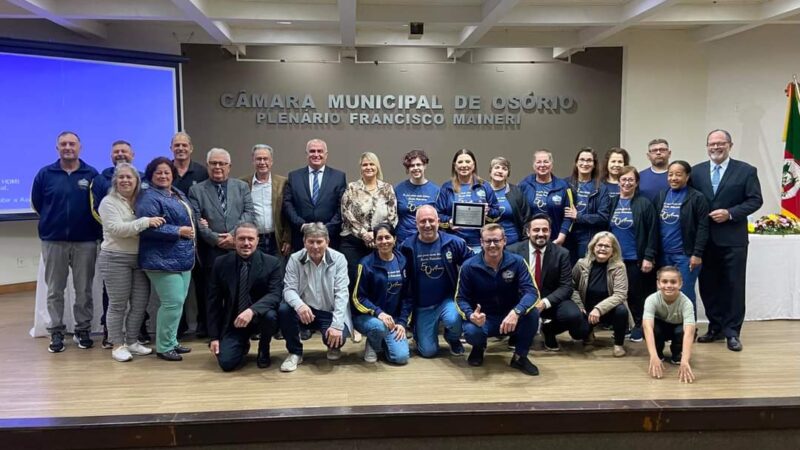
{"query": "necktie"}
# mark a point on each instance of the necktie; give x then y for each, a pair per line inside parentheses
(538, 268)
(315, 187)
(244, 286)
(221, 196)
(715, 178)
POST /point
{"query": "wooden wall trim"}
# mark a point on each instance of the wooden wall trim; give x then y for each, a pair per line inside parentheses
(28, 286)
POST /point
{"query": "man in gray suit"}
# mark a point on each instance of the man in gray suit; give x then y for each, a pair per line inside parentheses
(222, 203)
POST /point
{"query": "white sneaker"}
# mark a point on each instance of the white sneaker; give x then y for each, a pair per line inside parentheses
(291, 362)
(619, 351)
(370, 355)
(356, 337)
(121, 354)
(139, 349)
(334, 354)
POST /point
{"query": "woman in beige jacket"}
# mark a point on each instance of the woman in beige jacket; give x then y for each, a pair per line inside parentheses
(601, 287)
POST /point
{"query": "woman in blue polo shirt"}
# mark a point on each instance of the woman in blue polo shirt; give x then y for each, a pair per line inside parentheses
(634, 224)
(548, 194)
(379, 299)
(514, 211)
(465, 186)
(591, 211)
(683, 223)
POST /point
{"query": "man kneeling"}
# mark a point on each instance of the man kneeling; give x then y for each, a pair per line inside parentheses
(669, 315)
(243, 298)
(315, 295)
(495, 296)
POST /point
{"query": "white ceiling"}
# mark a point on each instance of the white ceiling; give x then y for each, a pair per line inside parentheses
(565, 26)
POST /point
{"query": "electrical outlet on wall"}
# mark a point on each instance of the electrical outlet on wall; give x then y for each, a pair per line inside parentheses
(20, 262)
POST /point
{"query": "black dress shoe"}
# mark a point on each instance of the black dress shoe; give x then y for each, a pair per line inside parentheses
(181, 349)
(263, 361)
(171, 355)
(475, 358)
(710, 337)
(734, 344)
(524, 365)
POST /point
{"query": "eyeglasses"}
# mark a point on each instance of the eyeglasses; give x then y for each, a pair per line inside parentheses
(627, 181)
(658, 150)
(717, 144)
(218, 163)
(491, 242)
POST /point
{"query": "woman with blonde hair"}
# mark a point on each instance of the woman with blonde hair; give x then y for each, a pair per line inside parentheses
(366, 203)
(126, 283)
(601, 288)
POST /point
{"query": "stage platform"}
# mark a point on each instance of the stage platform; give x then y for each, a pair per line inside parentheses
(84, 399)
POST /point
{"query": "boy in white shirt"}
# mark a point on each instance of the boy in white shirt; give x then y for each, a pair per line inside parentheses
(669, 316)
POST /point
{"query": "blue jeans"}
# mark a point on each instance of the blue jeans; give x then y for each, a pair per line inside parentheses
(526, 329)
(681, 261)
(426, 328)
(380, 338)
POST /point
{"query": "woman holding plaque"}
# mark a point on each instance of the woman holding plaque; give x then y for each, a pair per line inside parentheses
(616, 158)
(514, 209)
(464, 187)
(548, 194)
(634, 224)
(413, 193)
(365, 203)
(590, 214)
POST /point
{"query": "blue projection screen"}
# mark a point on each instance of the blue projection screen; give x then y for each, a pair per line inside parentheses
(101, 101)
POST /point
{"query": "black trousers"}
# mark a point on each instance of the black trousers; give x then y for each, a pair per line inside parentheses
(640, 285)
(665, 331)
(235, 342)
(564, 316)
(722, 288)
(617, 318)
(353, 249)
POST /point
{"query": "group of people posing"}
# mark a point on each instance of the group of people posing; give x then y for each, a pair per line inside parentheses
(271, 255)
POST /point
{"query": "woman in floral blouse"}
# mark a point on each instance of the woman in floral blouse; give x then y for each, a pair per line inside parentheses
(365, 203)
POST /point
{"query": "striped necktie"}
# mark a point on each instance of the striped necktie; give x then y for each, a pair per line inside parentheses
(315, 187)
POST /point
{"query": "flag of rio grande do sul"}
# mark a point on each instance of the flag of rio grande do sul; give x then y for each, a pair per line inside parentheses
(790, 180)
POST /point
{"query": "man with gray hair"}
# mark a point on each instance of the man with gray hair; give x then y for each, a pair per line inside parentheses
(314, 194)
(266, 188)
(222, 203)
(315, 296)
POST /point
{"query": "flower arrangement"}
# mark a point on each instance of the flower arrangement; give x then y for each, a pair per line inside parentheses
(775, 224)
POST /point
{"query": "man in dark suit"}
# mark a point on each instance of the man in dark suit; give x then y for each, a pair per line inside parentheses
(552, 273)
(314, 194)
(266, 189)
(222, 203)
(243, 299)
(733, 192)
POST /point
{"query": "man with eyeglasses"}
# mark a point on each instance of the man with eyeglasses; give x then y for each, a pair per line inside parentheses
(219, 203)
(733, 192)
(653, 180)
(495, 296)
(266, 188)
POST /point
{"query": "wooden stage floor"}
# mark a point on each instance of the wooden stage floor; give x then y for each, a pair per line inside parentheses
(35, 384)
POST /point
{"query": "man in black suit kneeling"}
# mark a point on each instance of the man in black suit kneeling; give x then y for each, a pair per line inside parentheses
(551, 271)
(244, 295)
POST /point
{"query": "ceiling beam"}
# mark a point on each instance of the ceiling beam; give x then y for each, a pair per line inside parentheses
(492, 12)
(630, 14)
(195, 10)
(771, 11)
(45, 9)
(347, 22)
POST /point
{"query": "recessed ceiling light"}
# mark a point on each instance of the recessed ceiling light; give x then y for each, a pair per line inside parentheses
(284, 22)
